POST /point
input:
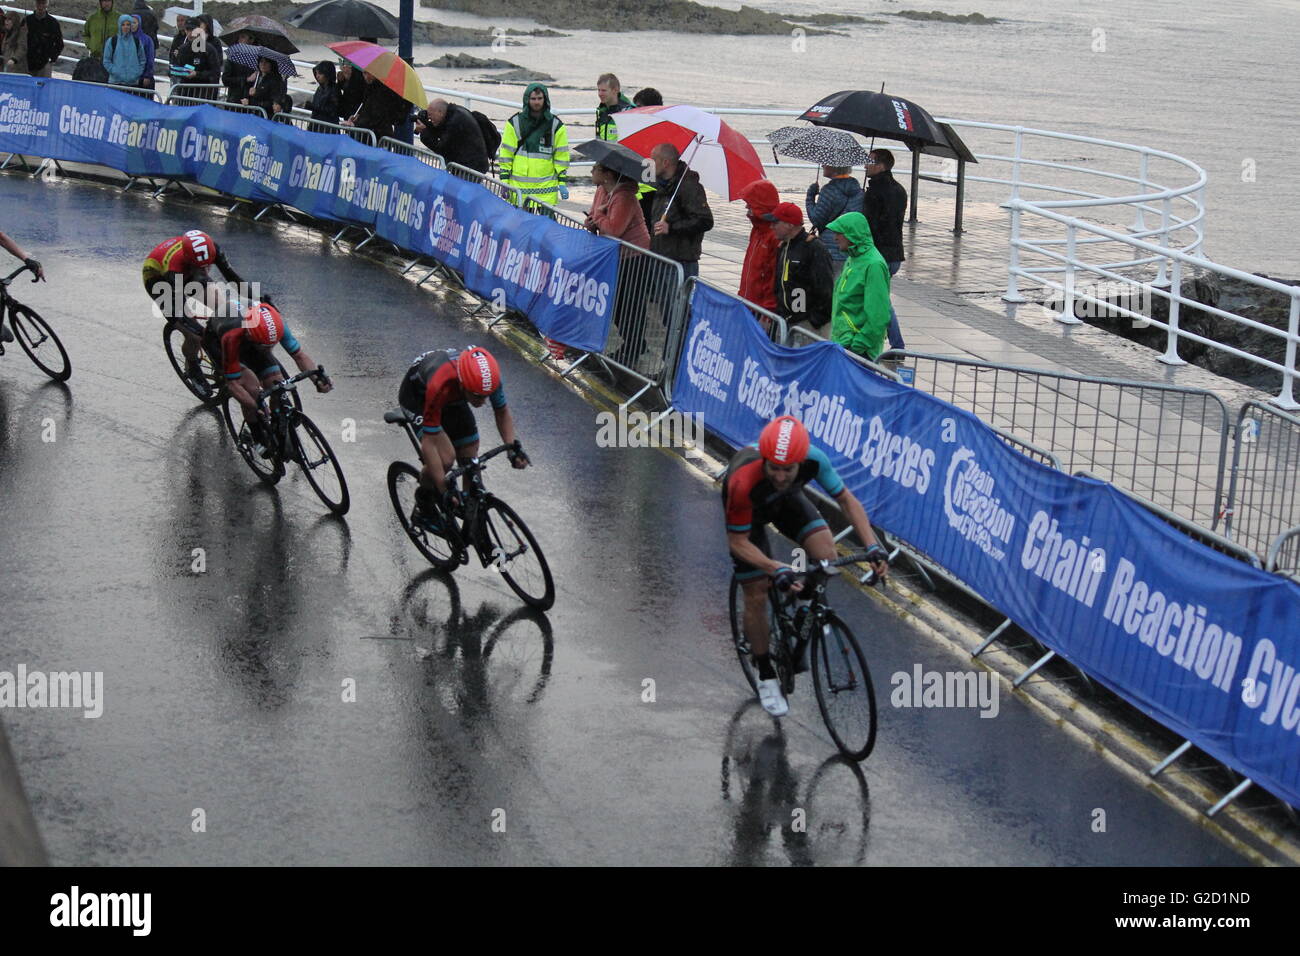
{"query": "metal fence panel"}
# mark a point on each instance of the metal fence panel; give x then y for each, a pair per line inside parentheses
(173, 100)
(1165, 444)
(550, 212)
(1284, 553)
(311, 125)
(498, 188)
(406, 149)
(207, 92)
(1262, 499)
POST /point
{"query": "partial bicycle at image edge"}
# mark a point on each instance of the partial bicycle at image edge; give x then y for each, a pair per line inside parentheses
(33, 334)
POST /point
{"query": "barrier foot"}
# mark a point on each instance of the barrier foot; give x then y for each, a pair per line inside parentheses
(574, 367)
(409, 266)
(993, 636)
(1233, 794)
(339, 235)
(1159, 768)
(1032, 669)
(263, 211)
(644, 388)
(21, 159)
(361, 245)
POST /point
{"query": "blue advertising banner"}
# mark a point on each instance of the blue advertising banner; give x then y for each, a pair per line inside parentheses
(561, 278)
(1206, 645)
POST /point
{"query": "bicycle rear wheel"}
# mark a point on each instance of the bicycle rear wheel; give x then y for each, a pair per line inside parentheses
(319, 465)
(441, 552)
(270, 470)
(776, 644)
(207, 387)
(514, 552)
(35, 335)
(845, 693)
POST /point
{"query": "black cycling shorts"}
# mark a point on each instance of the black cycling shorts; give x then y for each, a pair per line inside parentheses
(794, 515)
(457, 417)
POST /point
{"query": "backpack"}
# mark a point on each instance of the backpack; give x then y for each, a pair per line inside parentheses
(491, 135)
(90, 70)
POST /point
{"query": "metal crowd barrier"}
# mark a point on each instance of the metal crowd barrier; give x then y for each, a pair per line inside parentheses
(1284, 554)
(493, 185)
(1262, 500)
(141, 91)
(321, 126)
(407, 149)
(540, 208)
(207, 92)
(1166, 444)
(219, 104)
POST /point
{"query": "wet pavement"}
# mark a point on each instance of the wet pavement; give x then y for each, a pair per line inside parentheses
(324, 698)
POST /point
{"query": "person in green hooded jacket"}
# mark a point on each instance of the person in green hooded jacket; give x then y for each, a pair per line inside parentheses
(534, 151)
(860, 310)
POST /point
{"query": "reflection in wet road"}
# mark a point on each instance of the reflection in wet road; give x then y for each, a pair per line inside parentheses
(323, 697)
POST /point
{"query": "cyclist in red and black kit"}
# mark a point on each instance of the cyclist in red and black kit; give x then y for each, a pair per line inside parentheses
(241, 349)
(764, 483)
(179, 262)
(440, 386)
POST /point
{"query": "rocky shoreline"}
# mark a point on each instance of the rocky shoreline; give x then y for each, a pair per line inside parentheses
(677, 16)
(1264, 306)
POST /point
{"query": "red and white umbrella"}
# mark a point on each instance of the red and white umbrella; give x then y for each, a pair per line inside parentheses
(724, 159)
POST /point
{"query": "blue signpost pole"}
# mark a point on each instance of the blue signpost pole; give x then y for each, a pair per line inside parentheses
(405, 49)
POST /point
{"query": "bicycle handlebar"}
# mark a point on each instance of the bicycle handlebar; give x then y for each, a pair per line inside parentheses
(289, 384)
(476, 464)
(17, 272)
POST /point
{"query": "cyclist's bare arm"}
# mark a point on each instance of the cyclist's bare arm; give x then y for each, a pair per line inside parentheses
(506, 428)
(857, 516)
(306, 363)
(435, 451)
(242, 394)
(17, 252)
(747, 551)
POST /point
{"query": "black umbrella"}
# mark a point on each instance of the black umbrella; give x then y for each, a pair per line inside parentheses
(345, 18)
(878, 114)
(615, 156)
(264, 30)
(246, 54)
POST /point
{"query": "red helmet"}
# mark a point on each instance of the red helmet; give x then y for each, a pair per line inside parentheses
(202, 250)
(784, 441)
(264, 325)
(478, 371)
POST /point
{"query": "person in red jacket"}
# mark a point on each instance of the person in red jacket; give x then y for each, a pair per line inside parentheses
(758, 275)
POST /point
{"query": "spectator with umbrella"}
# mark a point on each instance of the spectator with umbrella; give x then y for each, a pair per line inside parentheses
(266, 85)
(262, 31)
(352, 90)
(885, 206)
(346, 18)
(234, 75)
(391, 87)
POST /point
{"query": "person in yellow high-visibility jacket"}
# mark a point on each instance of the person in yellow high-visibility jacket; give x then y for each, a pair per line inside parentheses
(534, 151)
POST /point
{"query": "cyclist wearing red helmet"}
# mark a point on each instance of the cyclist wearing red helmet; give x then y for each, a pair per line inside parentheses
(764, 483)
(241, 348)
(179, 262)
(440, 386)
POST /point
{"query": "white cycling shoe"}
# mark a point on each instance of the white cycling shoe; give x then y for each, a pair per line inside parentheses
(770, 696)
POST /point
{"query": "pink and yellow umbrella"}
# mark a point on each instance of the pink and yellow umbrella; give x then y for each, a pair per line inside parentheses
(386, 66)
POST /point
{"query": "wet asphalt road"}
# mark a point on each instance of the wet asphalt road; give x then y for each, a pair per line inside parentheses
(224, 690)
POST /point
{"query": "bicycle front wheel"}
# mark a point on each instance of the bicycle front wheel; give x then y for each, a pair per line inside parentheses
(206, 387)
(514, 552)
(40, 343)
(319, 465)
(845, 693)
(270, 470)
(403, 479)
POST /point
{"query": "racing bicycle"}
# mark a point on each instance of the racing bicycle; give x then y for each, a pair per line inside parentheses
(481, 523)
(33, 333)
(289, 436)
(803, 623)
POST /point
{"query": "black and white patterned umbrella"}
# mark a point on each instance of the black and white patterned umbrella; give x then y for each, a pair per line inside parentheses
(246, 54)
(817, 144)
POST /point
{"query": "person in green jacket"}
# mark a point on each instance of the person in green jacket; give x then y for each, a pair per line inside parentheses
(99, 26)
(860, 310)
